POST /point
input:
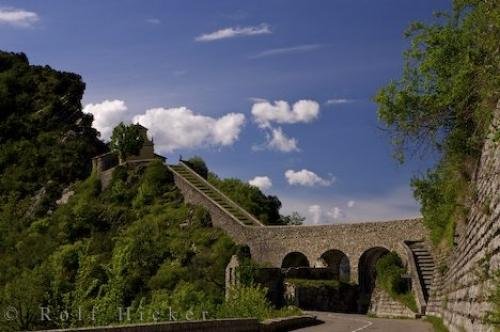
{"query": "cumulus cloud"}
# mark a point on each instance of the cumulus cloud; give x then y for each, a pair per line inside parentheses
(316, 213)
(177, 128)
(261, 182)
(351, 204)
(265, 113)
(306, 178)
(233, 32)
(281, 142)
(18, 17)
(335, 213)
(287, 50)
(106, 115)
(319, 215)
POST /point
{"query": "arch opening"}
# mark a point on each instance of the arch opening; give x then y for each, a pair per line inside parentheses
(367, 274)
(295, 259)
(338, 262)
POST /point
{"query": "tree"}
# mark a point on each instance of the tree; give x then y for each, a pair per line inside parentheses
(198, 165)
(126, 140)
(444, 102)
(293, 219)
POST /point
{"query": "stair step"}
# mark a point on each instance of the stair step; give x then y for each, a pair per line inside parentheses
(206, 189)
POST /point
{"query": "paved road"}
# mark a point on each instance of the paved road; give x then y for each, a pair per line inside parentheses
(359, 323)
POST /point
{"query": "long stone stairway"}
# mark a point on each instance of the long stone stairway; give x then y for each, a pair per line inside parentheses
(215, 195)
(425, 265)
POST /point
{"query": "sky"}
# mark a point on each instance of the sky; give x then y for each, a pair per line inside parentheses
(278, 93)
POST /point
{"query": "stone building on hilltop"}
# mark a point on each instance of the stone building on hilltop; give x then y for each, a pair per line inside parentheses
(104, 164)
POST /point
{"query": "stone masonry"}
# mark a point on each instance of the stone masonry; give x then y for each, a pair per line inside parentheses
(271, 244)
(462, 289)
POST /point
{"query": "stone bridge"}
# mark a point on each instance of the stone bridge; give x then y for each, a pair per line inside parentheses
(350, 249)
(344, 246)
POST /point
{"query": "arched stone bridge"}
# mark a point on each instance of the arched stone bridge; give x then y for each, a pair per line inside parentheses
(345, 246)
(349, 251)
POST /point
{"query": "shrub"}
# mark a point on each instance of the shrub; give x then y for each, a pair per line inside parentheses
(389, 270)
(198, 165)
(246, 302)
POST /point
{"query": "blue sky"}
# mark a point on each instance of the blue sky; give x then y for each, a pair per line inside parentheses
(205, 77)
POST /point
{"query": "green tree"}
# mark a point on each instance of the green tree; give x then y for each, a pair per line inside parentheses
(293, 219)
(126, 140)
(444, 102)
(198, 165)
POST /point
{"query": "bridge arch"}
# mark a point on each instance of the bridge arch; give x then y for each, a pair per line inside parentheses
(338, 262)
(367, 274)
(295, 259)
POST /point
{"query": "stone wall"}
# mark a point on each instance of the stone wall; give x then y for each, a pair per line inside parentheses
(226, 325)
(461, 290)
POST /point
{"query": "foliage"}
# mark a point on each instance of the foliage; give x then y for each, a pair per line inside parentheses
(389, 270)
(126, 140)
(198, 165)
(437, 323)
(294, 219)
(250, 301)
(444, 101)
(46, 141)
(310, 283)
(265, 208)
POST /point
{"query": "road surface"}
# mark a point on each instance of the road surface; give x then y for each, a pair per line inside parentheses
(359, 323)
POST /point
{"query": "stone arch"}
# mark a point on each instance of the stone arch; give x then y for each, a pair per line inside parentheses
(338, 262)
(367, 274)
(295, 259)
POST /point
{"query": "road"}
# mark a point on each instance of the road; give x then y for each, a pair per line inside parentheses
(359, 323)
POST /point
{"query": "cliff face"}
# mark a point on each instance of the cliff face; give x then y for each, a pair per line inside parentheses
(469, 276)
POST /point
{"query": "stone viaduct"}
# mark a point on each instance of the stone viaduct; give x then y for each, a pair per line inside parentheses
(346, 246)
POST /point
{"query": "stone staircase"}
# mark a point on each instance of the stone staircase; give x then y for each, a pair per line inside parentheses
(215, 195)
(425, 265)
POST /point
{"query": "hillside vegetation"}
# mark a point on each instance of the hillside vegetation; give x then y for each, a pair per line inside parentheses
(443, 104)
(135, 245)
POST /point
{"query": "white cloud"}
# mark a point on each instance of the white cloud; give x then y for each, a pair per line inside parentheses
(335, 213)
(279, 141)
(306, 178)
(265, 113)
(153, 20)
(319, 216)
(233, 32)
(287, 50)
(106, 115)
(177, 128)
(261, 182)
(396, 203)
(351, 204)
(337, 101)
(316, 213)
(18, 17)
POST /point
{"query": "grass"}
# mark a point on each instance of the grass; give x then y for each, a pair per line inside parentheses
(307, 283)
(437, 324)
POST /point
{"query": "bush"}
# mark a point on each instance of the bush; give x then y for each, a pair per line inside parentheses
(246, 302)
(389, 270)
(198, 165)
